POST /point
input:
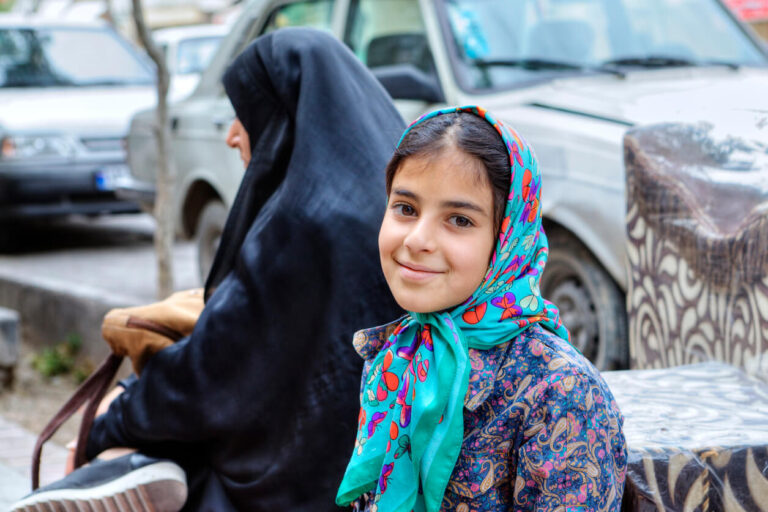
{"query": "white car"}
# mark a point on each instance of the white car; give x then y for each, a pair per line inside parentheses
(570, 75)
(187, 50)
(67, 93)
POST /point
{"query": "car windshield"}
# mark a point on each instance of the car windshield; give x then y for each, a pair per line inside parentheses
(507, 43)
(193, 55)
(56, 57)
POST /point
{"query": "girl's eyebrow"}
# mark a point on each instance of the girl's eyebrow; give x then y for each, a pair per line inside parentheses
(463, 205)
(405, 193)
(466, 205)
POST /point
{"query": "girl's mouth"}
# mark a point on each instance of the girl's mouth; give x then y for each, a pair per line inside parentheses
(413, 272)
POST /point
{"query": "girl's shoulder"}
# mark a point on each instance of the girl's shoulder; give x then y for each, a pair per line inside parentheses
(368, 342)
(538, 364)
(554, 366)
(548, 352)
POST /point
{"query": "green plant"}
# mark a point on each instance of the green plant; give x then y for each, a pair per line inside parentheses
(61, 359)
(82, 371)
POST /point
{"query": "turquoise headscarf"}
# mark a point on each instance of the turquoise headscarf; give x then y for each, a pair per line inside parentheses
(411, 426)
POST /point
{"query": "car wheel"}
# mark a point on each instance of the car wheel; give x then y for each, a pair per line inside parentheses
(591, 304)
(208, 235)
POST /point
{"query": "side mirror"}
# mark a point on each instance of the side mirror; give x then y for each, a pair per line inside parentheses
(406, 82)
(399, 62)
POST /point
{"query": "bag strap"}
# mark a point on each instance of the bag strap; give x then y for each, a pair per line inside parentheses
(91, 391)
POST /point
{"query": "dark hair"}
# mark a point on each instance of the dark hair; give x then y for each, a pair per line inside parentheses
(469, 133)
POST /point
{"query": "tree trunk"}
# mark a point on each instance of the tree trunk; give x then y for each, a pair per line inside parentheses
(164, 214)
(109, 13)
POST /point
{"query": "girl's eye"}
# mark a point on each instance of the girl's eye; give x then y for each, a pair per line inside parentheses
(461, 221)
(404, 209)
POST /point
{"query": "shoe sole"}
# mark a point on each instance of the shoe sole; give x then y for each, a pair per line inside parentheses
(160, 487)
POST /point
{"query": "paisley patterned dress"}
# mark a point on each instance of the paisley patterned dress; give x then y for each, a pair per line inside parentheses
(542, 430)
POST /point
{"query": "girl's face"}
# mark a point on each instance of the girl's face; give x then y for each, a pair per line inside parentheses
(438, 232)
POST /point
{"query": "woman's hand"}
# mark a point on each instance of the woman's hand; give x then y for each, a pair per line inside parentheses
(71, 446)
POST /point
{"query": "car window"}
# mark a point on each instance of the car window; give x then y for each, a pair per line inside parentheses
(388, 32)
(311, 13)
(502, 43)
(47, 57)
(688, 29)
(193, 55)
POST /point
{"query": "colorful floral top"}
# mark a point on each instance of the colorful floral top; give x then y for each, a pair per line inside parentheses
(541, 429)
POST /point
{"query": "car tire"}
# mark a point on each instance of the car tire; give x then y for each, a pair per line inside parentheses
(592, 306)
(208, 235)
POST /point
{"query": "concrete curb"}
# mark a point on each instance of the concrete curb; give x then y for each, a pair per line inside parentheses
(68, 292)
(9, 345)
(49, 314)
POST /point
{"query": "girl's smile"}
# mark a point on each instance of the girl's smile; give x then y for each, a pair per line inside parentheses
(413, 272)
(438, 232)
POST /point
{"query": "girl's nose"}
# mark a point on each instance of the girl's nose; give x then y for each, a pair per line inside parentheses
(421, 237)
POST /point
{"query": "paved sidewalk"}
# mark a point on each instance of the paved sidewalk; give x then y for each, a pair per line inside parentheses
(16, 445)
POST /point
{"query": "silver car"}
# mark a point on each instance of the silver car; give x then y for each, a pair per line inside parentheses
(67, 93)
(570, 75)
(187, 50)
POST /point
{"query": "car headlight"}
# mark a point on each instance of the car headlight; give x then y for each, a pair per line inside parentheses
(30, 146)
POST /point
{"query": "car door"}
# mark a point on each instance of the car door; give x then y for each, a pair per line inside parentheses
(390, 34)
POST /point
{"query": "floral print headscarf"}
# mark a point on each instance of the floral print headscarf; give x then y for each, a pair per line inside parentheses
(410, 427)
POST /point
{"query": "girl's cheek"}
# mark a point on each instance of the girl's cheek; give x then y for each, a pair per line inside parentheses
(387, 235)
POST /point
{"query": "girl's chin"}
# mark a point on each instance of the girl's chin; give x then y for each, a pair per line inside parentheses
(423, 306)
(414, 306)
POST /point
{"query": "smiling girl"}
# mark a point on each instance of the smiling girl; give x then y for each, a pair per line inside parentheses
(475, 400)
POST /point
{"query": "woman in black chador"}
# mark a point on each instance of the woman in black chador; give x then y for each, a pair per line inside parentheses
(258, 405)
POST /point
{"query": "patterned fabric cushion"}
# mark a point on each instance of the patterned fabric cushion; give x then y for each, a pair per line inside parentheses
(697, 247)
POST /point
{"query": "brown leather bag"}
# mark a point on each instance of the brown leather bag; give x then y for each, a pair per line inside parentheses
(142, 331)
(138, 333)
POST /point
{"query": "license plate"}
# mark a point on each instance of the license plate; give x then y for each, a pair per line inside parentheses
(109, 177)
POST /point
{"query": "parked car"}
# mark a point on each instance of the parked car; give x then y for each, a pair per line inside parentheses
(67, 94)
(187, 50)
(570, 75)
